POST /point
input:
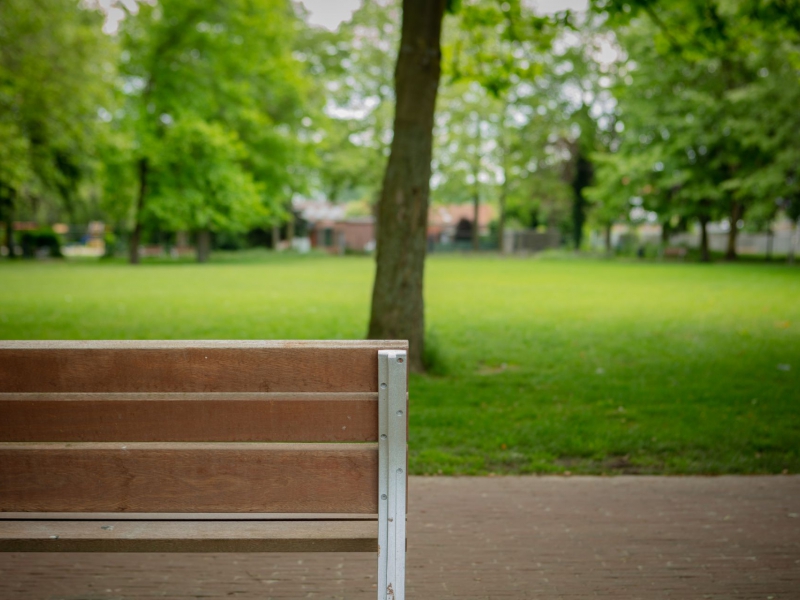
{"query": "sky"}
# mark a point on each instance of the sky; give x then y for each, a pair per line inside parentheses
(330, 13)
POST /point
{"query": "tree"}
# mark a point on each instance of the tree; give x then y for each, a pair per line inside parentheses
(222, 71)
(718, 138)
(467, 152)
(499, 47)
(397, 304)
(352, 68)
(55, 70)
(213, 191)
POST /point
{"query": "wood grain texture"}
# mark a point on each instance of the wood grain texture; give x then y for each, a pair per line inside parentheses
(196, 366)
(188, 536)
(188, 477)
(198, 417)
(107, 516)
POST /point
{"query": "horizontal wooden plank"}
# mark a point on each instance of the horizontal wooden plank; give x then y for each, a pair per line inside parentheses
(180, 344)
(188, 477)
(188, 536)
(198, 417)
(192, 366)
(107, 516)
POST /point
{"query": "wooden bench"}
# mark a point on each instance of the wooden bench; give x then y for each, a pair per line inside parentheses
(205, 446)
(675, 252)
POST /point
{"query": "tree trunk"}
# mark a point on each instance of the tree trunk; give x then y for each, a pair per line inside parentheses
(10, 235)
(737, 212)
(501, 219)
(666, 232)
(584, 171)
(608, 238)
(136, 234)
(8, 219)
(290, 229)
(793, 243)
(504, 150)
(476, 190)
(705, 256)
(276, 237)
(476, 206)
(770, 236)
(203, 245)
(397, 305)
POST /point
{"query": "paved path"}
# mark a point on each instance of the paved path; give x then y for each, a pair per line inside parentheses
(495, 538)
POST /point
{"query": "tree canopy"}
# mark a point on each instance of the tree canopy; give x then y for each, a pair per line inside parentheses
(208, 118)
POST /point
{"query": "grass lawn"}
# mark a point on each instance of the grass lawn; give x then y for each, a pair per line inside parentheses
(553, 365)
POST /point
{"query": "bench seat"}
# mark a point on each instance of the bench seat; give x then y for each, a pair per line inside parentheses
(195, 535)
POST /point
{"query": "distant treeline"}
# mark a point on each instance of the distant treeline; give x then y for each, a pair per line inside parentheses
(197, 116)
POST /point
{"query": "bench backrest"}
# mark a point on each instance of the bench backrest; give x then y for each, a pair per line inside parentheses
(191, 427)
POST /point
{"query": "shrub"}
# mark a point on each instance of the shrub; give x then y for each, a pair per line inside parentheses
(37, 241)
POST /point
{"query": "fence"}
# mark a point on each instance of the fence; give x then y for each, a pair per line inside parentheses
(530, 241)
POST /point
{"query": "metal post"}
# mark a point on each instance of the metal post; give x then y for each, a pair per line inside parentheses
(392, 449)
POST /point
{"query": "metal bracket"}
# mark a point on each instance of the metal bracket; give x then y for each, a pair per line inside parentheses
(392, 452)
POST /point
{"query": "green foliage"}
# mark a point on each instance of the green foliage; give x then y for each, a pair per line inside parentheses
(213, 99)
(354, 71)
(36, 241)
(467, 153)
(707, 112)
(55, 69)
(546, 365)
(201, 181)
(220, 112)
(486, 77)
(497, 44)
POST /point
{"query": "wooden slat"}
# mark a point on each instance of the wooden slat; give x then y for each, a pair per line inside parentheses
(188, 477)
(188, 536)
(191, 366)
(223, 417)
(107, 516)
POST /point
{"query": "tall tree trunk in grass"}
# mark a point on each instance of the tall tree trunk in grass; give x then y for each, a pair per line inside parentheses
(397, 305)
(666, 232)
(705, 256)
(770, 237)
(581, 179)
(504, 150)
(203, 245)
(476, 207)
(276, 237)
(608, 237)
(136, 234)
(737, 212)
(10, 235)
(501, 219)
(290, 227)
(793, 243)
(7, 214)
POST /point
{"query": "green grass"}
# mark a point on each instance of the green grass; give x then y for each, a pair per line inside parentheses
(584, 366)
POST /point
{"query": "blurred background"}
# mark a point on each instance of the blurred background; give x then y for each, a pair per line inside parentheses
(612, 224)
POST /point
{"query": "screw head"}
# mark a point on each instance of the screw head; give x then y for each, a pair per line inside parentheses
(399, 413)
(383, 386)
(383, 496)
(399, 360)
(383, 436)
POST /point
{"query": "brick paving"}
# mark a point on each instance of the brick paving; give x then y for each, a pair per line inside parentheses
(494, 538)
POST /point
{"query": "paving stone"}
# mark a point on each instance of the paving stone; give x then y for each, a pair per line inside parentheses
(494, 538)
